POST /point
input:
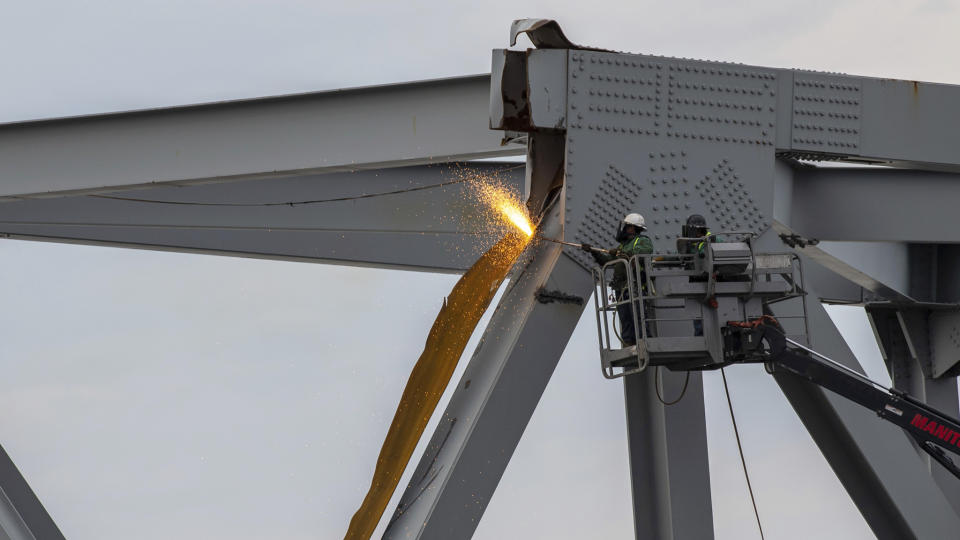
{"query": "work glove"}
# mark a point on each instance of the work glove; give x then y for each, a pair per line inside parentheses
(586, 247)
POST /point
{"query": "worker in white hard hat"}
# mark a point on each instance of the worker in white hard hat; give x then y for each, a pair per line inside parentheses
(632, 242)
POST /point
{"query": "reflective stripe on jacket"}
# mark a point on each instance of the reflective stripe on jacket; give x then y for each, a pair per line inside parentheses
(703, 242)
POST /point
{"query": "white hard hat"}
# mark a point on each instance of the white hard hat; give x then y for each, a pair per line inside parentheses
(634, 219)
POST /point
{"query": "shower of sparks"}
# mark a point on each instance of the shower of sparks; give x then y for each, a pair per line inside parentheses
(501, 207)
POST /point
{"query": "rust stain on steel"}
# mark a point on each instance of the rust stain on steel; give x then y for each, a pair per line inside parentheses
(515, 92)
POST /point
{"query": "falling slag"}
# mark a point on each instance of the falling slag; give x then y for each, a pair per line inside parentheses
(448, 337)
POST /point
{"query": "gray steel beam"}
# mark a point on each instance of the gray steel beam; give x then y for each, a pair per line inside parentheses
(876, 205)
(425, 217)
(669, 466)
(833, 287)
(22, 516)
(933, 271)
(852, 271)
(495, 399)
(864, 119)
(887, 263)
(870, 267)
(904, 337)
(360, 128)
(909, 123)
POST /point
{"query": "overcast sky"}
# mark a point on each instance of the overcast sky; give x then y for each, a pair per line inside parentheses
(162, 395)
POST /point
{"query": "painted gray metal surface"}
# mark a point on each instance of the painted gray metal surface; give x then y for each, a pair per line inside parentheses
(905, 335)
(669, 137)
(376, 127)
(426, 218)
(690, 136)
(876, 204)
(852, 271)
(495, 398)
(546, 77)
(22, 516)
(876, 463)
(673, 137)
(669, 466)
(934, 330)
(620, 158)
(652, 135)
(933, 269)
(870, 268)
(906, 123)
(944, 333)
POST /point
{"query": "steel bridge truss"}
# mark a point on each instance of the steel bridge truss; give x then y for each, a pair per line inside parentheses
(603, 133)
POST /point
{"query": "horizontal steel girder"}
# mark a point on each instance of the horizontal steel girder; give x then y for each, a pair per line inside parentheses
(876, 205)
(669, 137)
(847, 272)
(360, 128)
(418, 218)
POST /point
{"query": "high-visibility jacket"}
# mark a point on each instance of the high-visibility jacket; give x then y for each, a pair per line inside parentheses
(709, 237)
(638, 245)
(693, 246)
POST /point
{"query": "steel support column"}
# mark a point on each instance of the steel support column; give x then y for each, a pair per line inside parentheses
(669, 467)
(496, 397)
(903, 336)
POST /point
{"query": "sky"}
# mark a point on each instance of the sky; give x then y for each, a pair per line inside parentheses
(158, 395)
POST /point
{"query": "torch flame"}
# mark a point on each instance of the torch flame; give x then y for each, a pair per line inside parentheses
(516, 216)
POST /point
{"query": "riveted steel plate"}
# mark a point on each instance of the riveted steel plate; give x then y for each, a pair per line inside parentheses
(944, 341)
(667, 138)
(826, 113)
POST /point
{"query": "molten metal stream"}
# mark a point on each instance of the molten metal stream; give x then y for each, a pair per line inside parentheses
(446, 341)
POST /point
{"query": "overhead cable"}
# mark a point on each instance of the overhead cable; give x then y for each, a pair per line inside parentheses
(743, 461)
(300, 203)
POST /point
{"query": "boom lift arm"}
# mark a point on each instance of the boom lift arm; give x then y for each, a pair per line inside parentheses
(763, 340)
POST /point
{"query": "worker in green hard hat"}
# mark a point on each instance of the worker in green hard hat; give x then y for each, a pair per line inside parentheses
(694, 238)
(632, 242)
